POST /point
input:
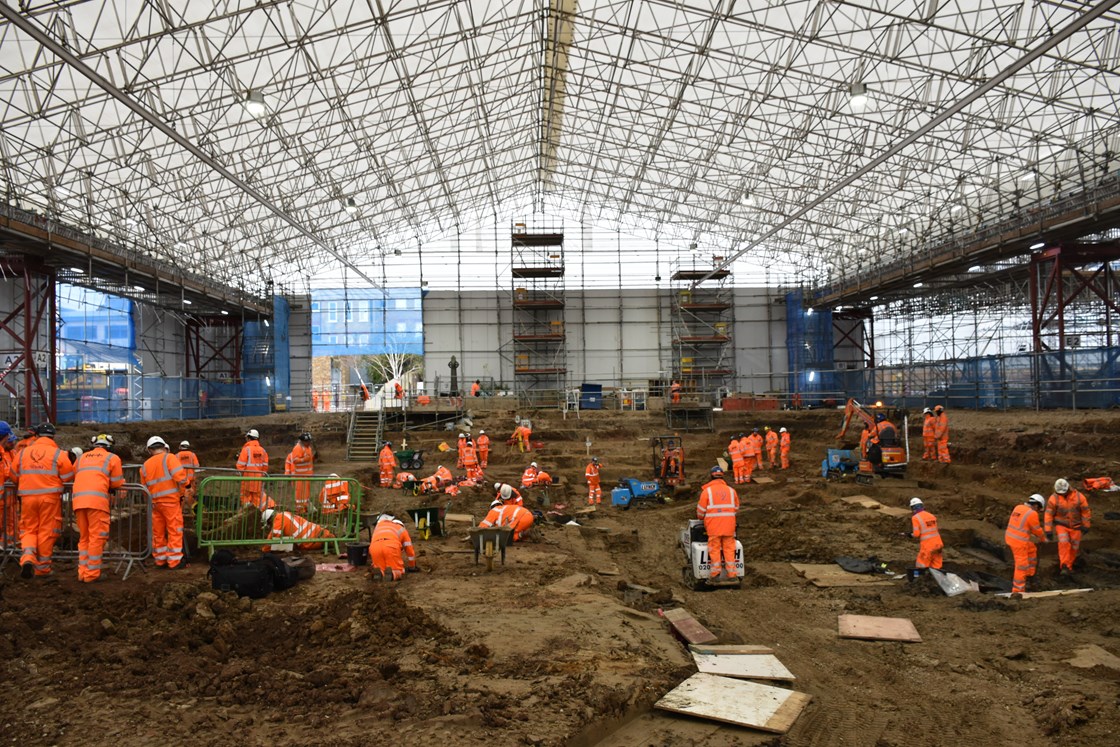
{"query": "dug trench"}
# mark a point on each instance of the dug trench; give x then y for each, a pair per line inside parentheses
(557, 646)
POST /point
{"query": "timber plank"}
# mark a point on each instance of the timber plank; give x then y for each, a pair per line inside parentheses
(743, 666)
(740, 702)
(687, 626)
(829, 576)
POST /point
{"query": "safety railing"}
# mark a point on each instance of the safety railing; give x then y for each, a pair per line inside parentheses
(130, 528)
(307, 512)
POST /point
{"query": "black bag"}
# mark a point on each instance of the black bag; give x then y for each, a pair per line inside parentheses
(283, 575)
(249, 578)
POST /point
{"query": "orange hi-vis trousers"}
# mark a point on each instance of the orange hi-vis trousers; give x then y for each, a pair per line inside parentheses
(1069, 543)
(40, 525)
(167, 533)
(1026, 563)
(93, 528)
(722, 552)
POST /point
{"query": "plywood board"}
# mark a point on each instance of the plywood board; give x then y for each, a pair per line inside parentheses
(459, 518)
(739, 702)
(762, 480)
(868, 628)
(1091, 656)
(743, 666)
(862, 500)
(1043, 594)
(894, 511)
(828, 576)
(688, 628)
(729, 649)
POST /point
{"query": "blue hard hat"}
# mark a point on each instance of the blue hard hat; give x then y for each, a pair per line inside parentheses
(880, 417)
(717, 471)
(5, 429)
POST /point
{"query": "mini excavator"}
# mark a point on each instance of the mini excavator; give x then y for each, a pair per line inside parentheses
(886, 452)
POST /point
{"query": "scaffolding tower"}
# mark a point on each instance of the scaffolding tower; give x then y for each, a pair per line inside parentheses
(539, 353)
(702, 320)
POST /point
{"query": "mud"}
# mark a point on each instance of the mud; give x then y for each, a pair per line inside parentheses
(557, 646)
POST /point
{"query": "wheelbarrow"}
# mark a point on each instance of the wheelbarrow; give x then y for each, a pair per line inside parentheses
(410, 459)
(429, 521)
(490, 542)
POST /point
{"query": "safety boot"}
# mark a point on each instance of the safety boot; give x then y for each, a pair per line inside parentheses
(27, 570)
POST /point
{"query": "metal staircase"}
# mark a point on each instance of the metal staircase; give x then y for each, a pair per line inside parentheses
(364, 436)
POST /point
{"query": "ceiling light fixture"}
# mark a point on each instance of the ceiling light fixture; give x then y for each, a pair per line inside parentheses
(254, 104)
(857, 96)
(747, 198)
(139, 289)
(77, 271)
(187, 302)
(351, 206)
(956, 209)
(225, 313)
(918, 285)
(1039, 245)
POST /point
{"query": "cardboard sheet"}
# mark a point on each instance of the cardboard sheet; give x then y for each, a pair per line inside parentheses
(830, 575)
(868, 628)
(743, 666)
(739, 702)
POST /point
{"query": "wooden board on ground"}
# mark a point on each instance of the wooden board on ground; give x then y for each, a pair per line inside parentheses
(729, 649)
(868, 628)
(1087, 657)
(743, 666)
(762, 480)
(1043, 594)
(688, 628)
(861, 500)
(739, 702)
(828, 576)
(722, 463)
(893, 511)
(609, 570)
(459, 519)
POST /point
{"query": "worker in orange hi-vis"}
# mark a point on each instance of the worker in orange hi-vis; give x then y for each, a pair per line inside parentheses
(165, 480)
(387, 462)
(864, 440)
(507, 493)
(924, 529)
(470, 460)
(1023, 529)
(334, 498)
(97, 474)
(285, 527)
(1068, 516)
(521, 435)
(594, 490)
(483, 444)
(476, 389)
(300, 462)
(735, 452)
(759, 446)
(529, 476)
(929, 436)
(771, 440)
(783, 445)
(325, 399)
(9, 528)
(748, 448)
(518, 518)
(675, 392)
(38, 474)
(389, 547)
(398, 390)
(315, 400)
(941, 432)
(190, 463)
(459, 450)
(717, 507)
(253, 462)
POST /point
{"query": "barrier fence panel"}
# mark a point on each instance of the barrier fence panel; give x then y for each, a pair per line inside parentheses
(130, 528)
(309, 512)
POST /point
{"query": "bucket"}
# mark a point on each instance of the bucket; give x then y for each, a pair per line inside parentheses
(357, 554)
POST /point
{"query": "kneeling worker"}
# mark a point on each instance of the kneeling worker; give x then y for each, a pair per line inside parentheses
(289, 527)
(518, 518)
(924, 529)
(390, 540)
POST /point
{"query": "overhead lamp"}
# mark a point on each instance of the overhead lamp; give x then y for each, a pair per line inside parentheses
(956, 209)
(225, 313)
(1030, 176)
(1039, 245)
(746, 199)
(77, 271)
(873, 298)
(254, 103)
(918, 285)
(187, 302)
(857, 96)
(351, 206)
(139, 289)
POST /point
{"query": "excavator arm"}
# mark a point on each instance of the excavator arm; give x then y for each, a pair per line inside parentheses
(855, 409)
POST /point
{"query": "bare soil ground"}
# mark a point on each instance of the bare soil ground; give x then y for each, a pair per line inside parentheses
(552, 649)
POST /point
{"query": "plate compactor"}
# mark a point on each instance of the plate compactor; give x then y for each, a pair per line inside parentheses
(697, 573)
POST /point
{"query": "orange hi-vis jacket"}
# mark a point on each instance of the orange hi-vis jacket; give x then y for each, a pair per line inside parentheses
(98, 472)
(755, 440)
(483, 443)
(288, 526)
(386, 460)
(164, 477)
(394, 533)
(475, 389)
(746, 447)
(253, 460)
(529, 477)
(300, 460)
(941, 427)
(592, 473)
(771, 440)
(1023, 525)
(42, 468)
(516, 517)
(190, 463)
(443, 475)
(929, 427)
(735, 450)
(514, 496)
(924, 528)
(335, 496)
(1070, 511)
(717, 507)
(784, 440)
(470, 456)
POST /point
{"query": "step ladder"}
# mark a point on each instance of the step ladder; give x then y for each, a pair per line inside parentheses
(365, 435)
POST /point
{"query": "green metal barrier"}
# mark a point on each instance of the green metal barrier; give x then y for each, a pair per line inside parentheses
(230, 512)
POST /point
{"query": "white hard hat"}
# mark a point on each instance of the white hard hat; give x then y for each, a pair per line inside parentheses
(927, 411)
(533, 464)
(915, 502)
(333, 474)
(462, 435)
(103, 439)
(75, 452)
(497, 486)
(184, 444)
(506, 491)
(495, 503)
(157, 441)
(386, 517)
(1061, 486)
(783, 430)
(1036, 498)
(481, 432)
(267, 514)
(252, 433)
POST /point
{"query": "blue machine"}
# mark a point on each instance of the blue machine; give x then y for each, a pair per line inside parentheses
(591, 397)
(630, 490)
(840, 462)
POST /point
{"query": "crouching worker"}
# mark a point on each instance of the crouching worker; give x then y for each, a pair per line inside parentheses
(518, 518)
(289, 527)
(389, 546)
(923, 527)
